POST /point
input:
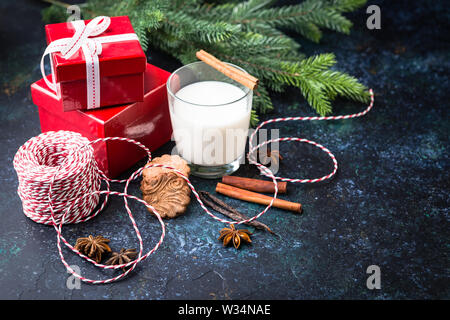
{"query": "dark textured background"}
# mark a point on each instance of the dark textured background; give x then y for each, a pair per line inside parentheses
(388, 204)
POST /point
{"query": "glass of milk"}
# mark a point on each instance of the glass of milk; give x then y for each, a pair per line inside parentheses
(210, 116)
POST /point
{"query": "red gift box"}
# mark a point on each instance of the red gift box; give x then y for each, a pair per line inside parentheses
(121, 67)
(147, 122)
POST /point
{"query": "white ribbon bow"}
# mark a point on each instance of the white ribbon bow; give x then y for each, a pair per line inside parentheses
(92, 48)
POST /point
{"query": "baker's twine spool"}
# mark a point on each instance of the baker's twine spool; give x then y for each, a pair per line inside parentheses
(59, 183)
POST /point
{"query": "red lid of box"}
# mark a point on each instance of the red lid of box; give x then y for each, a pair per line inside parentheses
(117, 58)
(154, 79)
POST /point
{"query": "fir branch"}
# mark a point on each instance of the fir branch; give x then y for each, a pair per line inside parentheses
(246, 33)
(347, 5)
(261, 99)
(182, 25)
(244, 8)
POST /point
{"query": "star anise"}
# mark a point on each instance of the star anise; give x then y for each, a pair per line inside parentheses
(274, 156)
(235, 236)
(93, 247)
(122, 257)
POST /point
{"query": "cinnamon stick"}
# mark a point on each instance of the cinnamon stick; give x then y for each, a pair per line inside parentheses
(254, 197)
(230, 71)
(225, 209)
(207, 56)
(217, 61)
(256, 185)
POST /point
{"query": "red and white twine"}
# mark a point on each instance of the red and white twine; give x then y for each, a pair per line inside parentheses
(60, 182)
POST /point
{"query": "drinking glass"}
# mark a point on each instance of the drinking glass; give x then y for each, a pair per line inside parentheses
(210, 115)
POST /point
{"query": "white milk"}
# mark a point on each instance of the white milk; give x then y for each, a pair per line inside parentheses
(206, 132)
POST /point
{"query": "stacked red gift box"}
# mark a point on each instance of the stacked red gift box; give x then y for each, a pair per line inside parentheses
(102, 86)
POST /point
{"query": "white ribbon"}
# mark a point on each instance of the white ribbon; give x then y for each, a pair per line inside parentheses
(92, 48)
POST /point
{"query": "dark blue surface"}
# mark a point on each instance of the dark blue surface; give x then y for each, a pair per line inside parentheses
(388, 204)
